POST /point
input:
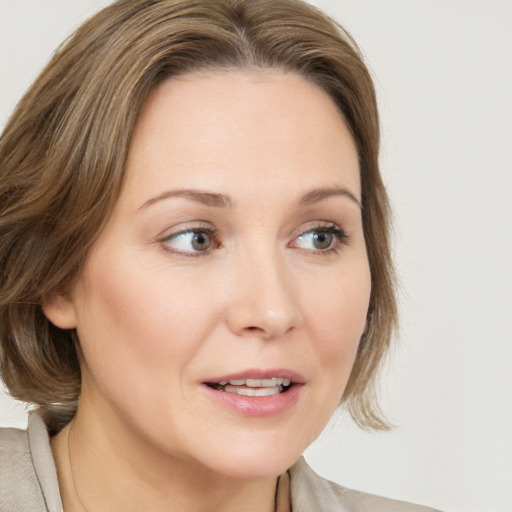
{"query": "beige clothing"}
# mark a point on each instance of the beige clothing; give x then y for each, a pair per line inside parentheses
(28, 480)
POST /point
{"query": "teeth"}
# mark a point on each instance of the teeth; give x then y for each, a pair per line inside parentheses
(258, 383)
(263, 383)
(247, 391)
(253, 387)
(237, 382)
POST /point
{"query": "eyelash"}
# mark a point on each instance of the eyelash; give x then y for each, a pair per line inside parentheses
(211, 232)
(340, 238)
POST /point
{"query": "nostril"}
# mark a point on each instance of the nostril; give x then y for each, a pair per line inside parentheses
(253, 330)
(253, 319)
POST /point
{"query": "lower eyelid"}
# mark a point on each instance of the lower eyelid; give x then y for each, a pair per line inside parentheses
(340, 237)
(166, 241)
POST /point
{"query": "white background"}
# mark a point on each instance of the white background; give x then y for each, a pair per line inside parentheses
(443, 72)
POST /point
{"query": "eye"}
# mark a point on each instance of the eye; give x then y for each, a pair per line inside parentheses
(189, 241)
(315, 240)
(322, 239)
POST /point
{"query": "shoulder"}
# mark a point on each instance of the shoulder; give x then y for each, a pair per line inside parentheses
(311, 492)
(20, 488)
(29, 478)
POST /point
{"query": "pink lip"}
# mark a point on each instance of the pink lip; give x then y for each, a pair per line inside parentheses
(258, 373)
(257, 406)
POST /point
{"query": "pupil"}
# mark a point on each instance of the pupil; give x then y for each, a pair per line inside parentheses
(201, 241)
(322, 240)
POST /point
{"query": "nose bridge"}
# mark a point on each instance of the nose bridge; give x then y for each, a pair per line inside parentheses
(265, 300)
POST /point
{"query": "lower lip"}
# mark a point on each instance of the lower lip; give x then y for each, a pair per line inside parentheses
(256, 406)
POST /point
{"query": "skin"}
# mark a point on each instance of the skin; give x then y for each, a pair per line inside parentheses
(156, 317)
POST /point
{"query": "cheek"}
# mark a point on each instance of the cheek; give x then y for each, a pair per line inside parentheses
(137, 322)
(336, 316)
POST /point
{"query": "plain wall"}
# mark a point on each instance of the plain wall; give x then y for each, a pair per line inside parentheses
(443, 72)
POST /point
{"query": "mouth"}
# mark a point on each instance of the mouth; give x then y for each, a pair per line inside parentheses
(256, 392)
(253, 387)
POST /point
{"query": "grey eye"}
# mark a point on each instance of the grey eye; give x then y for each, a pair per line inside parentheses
(319, 240)
(322, 240)
(201, 241)
(190, 241)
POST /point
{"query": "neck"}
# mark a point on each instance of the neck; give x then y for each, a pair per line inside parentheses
(104, 470)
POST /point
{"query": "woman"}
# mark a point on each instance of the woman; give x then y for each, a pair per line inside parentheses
(195, 261)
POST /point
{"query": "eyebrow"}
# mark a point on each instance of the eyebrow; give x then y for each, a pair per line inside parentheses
(322, 193)
(216, 200)
(200, 196)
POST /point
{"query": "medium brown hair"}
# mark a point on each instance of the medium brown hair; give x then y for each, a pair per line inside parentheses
(63, 151)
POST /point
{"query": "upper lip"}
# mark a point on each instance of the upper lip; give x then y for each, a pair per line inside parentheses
(259, 373)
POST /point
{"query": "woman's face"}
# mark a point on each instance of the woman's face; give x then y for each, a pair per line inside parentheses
(220, 310)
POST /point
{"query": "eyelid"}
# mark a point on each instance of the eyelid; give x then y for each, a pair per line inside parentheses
(184, 227)
(197, 226)
(318, 225)
(341, 237)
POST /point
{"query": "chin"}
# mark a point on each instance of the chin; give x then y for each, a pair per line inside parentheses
(255, 456)
(259, 466)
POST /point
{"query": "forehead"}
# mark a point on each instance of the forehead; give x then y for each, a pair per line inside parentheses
(231, 129)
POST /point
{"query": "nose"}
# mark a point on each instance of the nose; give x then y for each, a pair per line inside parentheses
(264, 299)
